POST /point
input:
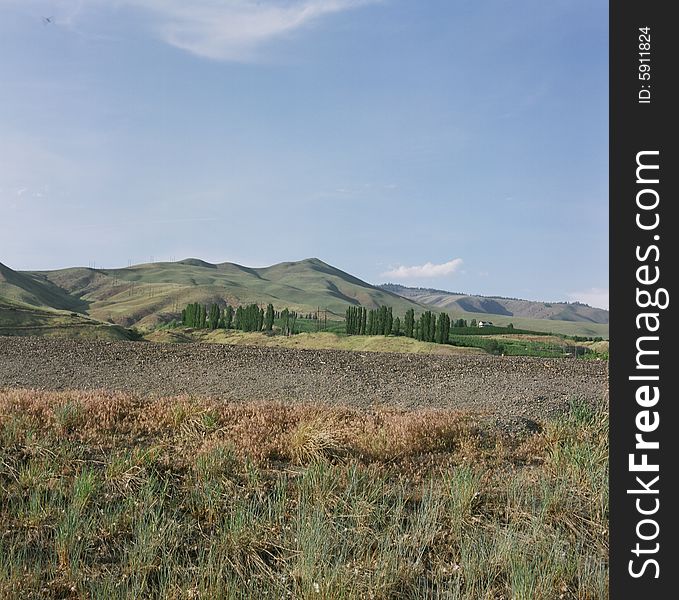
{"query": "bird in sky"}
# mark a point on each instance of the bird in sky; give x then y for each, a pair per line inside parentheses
(47, 20)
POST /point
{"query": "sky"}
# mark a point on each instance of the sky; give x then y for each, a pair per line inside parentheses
(454, 144)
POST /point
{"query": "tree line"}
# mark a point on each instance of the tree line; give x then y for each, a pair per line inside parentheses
(377, 321)
(251, 317)
(428, 327)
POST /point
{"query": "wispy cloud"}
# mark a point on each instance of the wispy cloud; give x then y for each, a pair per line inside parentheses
(597, 297)
(229, 30)
(425, 271)
(234, 30)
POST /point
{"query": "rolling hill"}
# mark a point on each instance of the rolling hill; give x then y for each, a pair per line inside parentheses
(32, 305)
(149, 294)
(29, 306)
(25, 288)
(156, 292)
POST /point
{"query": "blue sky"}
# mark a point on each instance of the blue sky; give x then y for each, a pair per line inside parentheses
(457, 144)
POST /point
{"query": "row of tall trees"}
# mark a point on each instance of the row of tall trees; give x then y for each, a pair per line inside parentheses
(432, 328)
(195, 315)
(199, 316)
(429, 327)
(249, 318)
(356, 320)
(374, 321)
(245, 318)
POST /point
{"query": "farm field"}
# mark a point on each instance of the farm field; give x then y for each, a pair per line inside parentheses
(505, 386)
(196, 470)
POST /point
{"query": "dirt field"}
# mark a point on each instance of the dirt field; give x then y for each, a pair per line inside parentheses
(506, 387)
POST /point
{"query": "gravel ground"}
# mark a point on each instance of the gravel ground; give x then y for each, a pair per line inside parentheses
(512, 389)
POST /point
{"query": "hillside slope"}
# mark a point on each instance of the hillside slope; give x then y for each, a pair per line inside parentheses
(32, 305)
(494, 305)
(34, 290)
(149, 293)
(17, 319)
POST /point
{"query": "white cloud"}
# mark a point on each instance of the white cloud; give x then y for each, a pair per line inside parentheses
(427, 270)
(234, 30)
(231, 30)
(597, 297)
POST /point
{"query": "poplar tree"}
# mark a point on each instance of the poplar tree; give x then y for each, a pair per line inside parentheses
(213, 316)
(202, 316)
(425, 319)
(409, 324)
(228, 317)
(397, 326)
(285, 321)
(269, 317)
(438, 328)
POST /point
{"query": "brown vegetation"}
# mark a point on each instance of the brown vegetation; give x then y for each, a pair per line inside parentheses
(109, 495)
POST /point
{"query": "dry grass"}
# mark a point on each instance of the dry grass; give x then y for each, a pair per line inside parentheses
(262, 431)
(109, 495)
(314, 341)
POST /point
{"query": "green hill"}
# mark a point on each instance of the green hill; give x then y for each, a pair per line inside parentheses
(22, 319)
(32, 305)
(35, 290)
(150, 293)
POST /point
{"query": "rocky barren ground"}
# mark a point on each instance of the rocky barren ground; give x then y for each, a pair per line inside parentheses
(508, 388)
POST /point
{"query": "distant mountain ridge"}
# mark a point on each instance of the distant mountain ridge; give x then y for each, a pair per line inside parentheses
(499, 305)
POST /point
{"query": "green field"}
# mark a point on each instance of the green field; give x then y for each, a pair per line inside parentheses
(572, 328)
